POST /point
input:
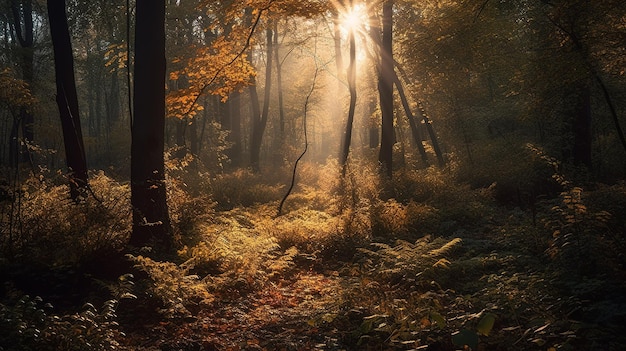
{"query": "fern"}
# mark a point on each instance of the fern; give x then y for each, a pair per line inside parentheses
(445, 248)
(173, 285)
(577, 234)
(406, 261)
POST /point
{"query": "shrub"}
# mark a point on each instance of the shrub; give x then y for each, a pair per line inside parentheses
(30, 325)
(53, 230)
(322, 234)
(242, 188)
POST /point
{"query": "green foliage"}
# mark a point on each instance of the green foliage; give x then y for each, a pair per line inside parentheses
(30, 325)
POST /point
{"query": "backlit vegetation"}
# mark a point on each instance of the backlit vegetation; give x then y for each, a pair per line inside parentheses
(440, 264)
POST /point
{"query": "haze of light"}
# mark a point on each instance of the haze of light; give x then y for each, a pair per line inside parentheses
(353, 18)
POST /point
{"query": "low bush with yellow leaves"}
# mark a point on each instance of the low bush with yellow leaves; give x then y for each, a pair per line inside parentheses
(49, 228)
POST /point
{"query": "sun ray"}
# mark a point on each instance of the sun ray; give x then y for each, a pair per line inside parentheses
(353, 16)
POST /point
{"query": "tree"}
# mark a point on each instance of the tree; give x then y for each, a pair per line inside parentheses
(417, 136)
(22, 12)
(352, 87)
(576, 22)
(151, 224)
(385, 88)
(67, 99)
(259, 120)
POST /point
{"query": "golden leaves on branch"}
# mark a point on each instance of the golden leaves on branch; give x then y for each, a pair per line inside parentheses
(214, 70)
(14, 92)
(221, 67)
(116, 57)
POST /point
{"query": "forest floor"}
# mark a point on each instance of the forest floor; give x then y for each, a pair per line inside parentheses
(495, 291)
(456, 270)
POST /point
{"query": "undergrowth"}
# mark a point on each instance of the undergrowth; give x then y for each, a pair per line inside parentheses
(50, 229)
(30, 324)
(439, 265)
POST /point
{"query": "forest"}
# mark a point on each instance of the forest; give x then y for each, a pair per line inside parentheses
(312, 175)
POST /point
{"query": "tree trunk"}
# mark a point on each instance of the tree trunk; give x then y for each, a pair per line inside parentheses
(433, 138)
(151, 224)
(385, 88)
(336, 112)
(234, 137)
(67, 99)
(279, 87)
(259, 122)
(352, 86)
(193, 136)
(417, 136)
(23, 15)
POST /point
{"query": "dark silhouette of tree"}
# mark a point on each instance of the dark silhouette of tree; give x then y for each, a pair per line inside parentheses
(385, 88)
(259, 120)
(345, 151)
(417, 136)
(151, 224)
(67, 99)
(279, 87)
(22, 12)
(234, 136)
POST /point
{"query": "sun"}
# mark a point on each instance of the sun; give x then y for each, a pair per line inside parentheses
(353, 18)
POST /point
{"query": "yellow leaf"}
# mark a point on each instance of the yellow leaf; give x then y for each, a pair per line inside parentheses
(486, 324)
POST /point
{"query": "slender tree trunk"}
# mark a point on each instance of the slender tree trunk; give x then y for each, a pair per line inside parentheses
(433, 137)
(427, 123)
(417, 136)
(151, 224)
(374, 137)
(352, 86)
(584, 51)
(180, 125)
(279, 87)
(23, 16)
(385, 88)
(67, 99)
(205, 117)
(193, 136)
(235, 132)
(336, 112)
(259, 122)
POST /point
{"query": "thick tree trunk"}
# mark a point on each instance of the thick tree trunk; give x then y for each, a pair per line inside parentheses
(67, 99)
(151, 224)
(385, 88)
